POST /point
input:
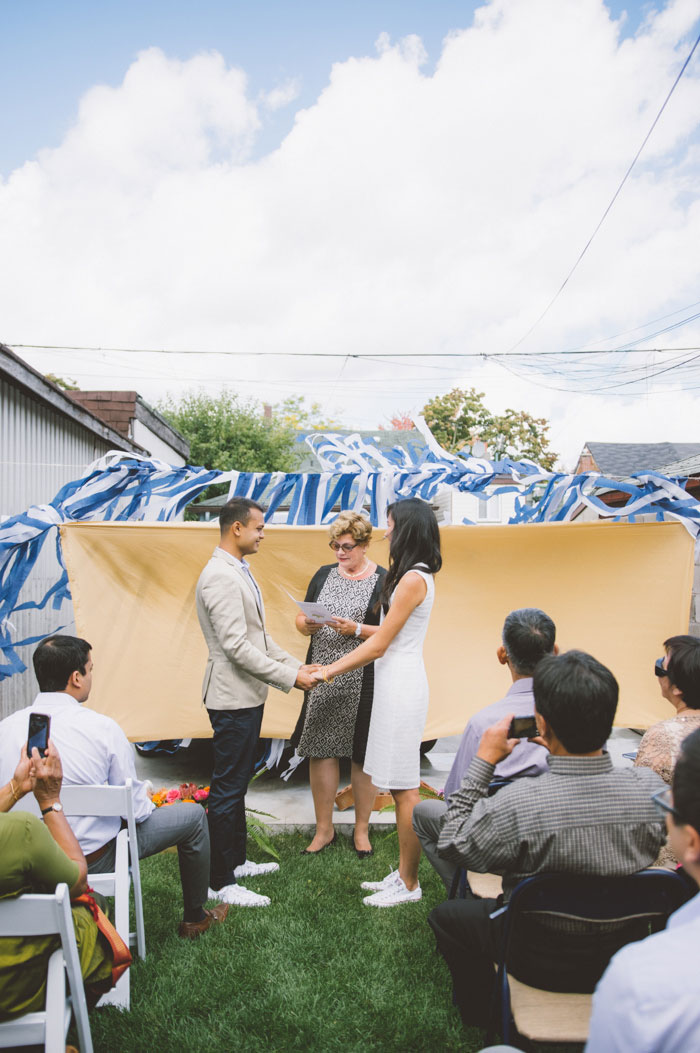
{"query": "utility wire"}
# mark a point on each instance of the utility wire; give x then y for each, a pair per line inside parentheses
(495, 355)
(611, 203)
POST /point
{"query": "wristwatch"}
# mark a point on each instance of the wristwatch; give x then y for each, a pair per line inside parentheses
(55, 807)
(358, 628)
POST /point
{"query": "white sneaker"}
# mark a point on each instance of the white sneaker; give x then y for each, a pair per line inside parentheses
(392, 895)
(251, 869)
(239, 896)
(378, 886)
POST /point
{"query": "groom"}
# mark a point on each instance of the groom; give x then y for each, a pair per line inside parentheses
(243, 661)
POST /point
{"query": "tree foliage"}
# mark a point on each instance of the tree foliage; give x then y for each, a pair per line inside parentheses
(226, 432)
(460, 418)
(294, 412)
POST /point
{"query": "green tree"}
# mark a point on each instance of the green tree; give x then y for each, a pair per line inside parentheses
(460, 418)
(294, 412)
(225, 432)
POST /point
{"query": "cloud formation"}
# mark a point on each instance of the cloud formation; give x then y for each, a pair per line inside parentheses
(404, 212)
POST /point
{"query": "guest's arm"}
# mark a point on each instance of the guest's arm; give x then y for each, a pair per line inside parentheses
(19, 785)
(655, 752)
(47, 776)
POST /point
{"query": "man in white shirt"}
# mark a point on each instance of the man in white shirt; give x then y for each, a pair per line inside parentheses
(94, 750)
(648, 999)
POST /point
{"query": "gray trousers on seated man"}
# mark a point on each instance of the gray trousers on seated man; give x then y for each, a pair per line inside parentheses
(428, 820)
(181, 825)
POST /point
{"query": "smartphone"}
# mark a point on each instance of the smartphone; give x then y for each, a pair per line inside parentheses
(523, 728)
(38, 734)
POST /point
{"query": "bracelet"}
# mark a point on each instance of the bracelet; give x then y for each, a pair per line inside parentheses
(328, 679)
(15, 796)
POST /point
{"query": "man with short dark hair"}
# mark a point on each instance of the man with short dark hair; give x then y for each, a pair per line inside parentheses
(582, 817)
(94, 750)
(528, 635)
(243, 661)
(649, 996)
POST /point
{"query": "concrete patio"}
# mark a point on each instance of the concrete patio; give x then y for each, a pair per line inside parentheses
(290, 802)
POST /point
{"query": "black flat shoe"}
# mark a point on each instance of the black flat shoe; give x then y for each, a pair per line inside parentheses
(362, 853)
(306, 852)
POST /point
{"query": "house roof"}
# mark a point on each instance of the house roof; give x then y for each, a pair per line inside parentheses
(23, 376)
(619, 460)
(118, 408)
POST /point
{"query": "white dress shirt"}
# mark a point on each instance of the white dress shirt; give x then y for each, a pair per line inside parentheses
(93, 749)
(648, 999)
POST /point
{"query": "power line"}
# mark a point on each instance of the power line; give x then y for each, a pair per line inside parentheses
(375, 357)
(611, 203)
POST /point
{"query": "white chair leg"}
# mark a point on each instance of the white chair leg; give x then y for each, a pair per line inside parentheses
(55, 1040)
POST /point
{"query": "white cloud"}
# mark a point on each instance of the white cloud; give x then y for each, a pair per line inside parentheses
(405, 211)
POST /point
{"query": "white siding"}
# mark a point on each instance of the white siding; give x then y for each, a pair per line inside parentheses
(40, 451)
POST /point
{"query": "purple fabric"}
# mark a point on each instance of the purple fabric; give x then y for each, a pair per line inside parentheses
(526, 759)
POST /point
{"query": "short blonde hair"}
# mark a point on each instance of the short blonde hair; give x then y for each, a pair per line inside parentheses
(359, 527)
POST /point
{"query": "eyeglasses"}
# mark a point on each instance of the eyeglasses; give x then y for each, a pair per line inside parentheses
(342, 548)
(664, 802)
(659, 668)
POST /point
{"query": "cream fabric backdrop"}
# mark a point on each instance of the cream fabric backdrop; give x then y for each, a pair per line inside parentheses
(614, 589)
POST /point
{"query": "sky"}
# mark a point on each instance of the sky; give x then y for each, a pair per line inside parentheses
(359, 203)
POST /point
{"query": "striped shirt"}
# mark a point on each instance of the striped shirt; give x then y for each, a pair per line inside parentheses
(582, 816)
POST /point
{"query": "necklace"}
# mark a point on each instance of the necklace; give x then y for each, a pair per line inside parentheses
(346, 574)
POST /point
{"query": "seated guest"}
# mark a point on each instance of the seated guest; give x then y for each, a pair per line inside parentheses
(582, 817)
(679, 680)
(37, 856)
(95, 750)
(649, 996)
(528, 635)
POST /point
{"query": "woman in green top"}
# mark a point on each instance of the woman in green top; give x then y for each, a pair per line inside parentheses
(36, 856)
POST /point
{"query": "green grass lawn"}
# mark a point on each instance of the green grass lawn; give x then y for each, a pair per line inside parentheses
(317, 970)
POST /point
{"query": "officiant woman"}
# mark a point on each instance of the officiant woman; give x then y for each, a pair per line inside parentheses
(334, 720)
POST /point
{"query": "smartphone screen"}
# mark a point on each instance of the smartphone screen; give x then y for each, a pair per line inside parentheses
(38, 734)
(523, 728)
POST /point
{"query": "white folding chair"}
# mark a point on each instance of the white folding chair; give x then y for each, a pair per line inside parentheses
(42, 915)
(115, 800)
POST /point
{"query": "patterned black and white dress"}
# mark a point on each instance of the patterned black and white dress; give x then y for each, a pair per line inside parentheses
(334, 720)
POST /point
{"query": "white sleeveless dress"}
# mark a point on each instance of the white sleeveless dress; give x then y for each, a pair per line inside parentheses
(400, 702)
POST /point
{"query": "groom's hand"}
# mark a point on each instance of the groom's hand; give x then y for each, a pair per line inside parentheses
(304, 680)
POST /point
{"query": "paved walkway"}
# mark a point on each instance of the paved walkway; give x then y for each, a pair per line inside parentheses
(290, 802)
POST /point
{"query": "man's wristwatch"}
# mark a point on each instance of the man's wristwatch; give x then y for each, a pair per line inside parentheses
(358, 628)
(55, 807)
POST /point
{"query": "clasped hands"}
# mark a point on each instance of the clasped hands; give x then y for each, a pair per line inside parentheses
(310, 675)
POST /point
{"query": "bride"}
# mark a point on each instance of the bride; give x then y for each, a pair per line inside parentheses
(400, 683)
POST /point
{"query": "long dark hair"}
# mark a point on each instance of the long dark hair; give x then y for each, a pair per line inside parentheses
(415, 540)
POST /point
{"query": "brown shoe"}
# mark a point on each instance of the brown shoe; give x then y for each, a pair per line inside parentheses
(192, 929)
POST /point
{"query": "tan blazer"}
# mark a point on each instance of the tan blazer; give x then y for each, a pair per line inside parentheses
(243, 659)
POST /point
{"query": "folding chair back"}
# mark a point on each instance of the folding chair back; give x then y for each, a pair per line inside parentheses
(118, 801)
(42, 915)
(640, 902)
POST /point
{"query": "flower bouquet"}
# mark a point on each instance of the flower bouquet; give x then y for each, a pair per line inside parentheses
(190, 792)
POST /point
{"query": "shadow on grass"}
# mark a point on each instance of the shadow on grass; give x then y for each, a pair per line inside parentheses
(317, 970)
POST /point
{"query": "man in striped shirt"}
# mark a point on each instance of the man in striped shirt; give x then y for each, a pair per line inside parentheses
(582, 817)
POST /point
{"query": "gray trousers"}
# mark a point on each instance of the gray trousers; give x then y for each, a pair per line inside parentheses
(428, 820)
(182, 825)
